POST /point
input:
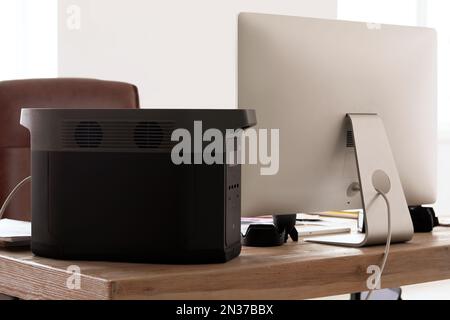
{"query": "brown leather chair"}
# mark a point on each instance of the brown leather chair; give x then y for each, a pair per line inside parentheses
(45, 93)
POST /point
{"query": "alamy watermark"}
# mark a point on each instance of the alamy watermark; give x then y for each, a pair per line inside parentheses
(373, 26)
(374, 280)
(73, 21)
(250, 146)
(73, 281)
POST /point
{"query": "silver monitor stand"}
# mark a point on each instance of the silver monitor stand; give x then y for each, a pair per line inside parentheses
(373, 153)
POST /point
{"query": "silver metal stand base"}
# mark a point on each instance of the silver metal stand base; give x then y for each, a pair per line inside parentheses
(373, 153)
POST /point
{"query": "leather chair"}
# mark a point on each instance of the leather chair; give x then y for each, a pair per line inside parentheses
(45, 93)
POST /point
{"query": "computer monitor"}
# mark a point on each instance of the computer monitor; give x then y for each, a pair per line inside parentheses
(304, 77)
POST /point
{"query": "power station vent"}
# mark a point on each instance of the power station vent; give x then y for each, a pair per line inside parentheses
(350, 139)
(88, 134)
(152, 134)
(117, 134)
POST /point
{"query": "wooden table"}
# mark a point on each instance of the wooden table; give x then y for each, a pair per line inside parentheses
(294, 271)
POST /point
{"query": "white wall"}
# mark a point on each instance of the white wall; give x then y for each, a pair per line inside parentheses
(28, 34)
(179, 52)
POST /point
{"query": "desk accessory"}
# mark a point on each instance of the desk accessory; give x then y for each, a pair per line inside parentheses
(271, 235)
(424, 219)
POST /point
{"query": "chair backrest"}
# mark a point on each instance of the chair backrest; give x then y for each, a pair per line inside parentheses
(45, 93)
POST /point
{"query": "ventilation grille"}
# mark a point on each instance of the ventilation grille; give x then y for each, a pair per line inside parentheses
(117, 134)
(350, 139)
(88, 134)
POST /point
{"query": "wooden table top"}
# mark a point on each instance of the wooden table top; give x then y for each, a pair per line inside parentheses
(294, 271)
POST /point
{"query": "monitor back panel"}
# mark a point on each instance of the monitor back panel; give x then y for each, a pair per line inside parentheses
(304, 75)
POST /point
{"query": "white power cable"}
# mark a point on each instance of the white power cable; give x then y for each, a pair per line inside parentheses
(388, 243)
(11, 195)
